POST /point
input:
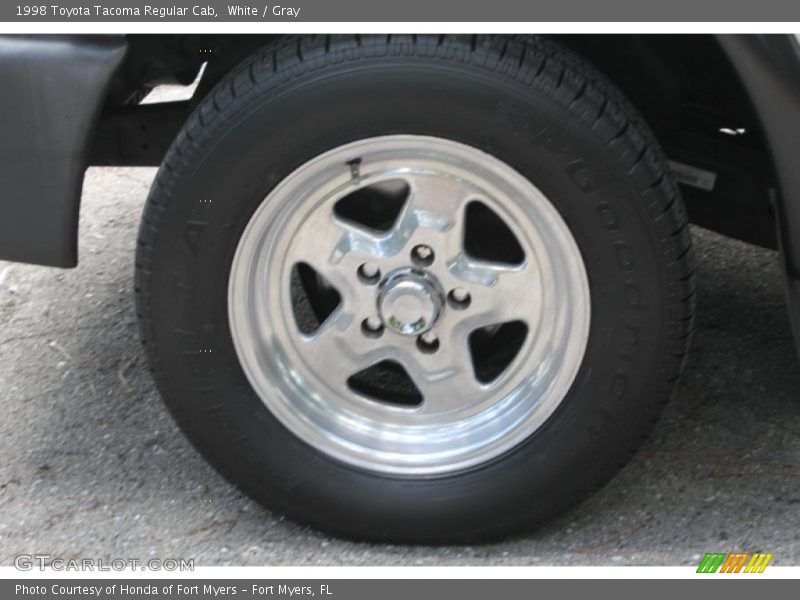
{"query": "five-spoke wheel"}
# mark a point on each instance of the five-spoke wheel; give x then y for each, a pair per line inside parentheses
(387, 367)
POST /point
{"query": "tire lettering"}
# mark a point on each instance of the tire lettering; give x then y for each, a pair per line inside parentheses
(618, 385)
(633, 296)
(581, 176)
(192, 232)
(607, 216)
(180, 290)
(624, 255)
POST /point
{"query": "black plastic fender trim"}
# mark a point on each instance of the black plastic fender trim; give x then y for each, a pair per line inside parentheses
(53, 88)
(769, 69)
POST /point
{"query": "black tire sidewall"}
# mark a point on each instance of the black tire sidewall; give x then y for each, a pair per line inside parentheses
(613, 399)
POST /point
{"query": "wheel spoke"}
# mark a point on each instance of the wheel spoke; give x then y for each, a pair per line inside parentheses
(446, 378)
(435, 203)
(338, 347)
(499, 293)
(335, 250)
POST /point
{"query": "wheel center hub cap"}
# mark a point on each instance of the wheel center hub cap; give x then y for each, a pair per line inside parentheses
(410, 302)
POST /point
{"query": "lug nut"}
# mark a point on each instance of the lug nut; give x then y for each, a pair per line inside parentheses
(369, 273)
(429, 338)
(459, 298)
(428, 342)
(423, 252)
(422, 255)
(372, 326)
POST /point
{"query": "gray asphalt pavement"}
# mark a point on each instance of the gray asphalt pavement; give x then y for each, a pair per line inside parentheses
(91, 464)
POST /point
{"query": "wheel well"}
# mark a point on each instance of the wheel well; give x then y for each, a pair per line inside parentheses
(690, 95)
(683, 85)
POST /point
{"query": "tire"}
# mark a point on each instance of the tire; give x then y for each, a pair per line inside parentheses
(540, 114)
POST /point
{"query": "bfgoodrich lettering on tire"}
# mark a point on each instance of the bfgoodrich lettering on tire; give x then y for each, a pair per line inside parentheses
(415, 288)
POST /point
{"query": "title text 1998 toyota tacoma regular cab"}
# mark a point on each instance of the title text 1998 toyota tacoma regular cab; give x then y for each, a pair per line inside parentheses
(412, 288)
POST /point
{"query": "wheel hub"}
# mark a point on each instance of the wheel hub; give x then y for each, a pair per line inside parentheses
(410, 302)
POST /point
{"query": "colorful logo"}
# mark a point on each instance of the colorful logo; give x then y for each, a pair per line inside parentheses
(737, 562)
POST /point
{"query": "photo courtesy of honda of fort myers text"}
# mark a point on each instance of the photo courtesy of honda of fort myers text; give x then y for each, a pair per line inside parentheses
(295, 303)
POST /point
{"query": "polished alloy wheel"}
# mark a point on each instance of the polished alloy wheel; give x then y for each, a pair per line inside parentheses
(407, 298)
